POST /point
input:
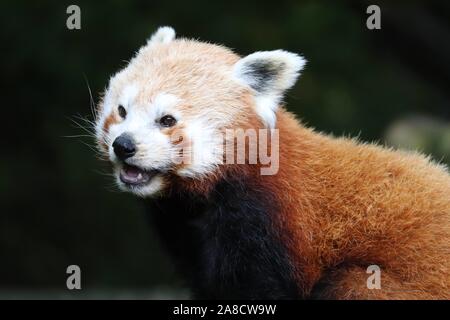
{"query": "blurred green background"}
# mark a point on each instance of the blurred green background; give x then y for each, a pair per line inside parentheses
(58, 206)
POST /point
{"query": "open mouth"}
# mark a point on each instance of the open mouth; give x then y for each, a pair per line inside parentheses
(134, 176)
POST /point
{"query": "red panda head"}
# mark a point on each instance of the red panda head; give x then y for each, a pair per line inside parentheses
(166, 112)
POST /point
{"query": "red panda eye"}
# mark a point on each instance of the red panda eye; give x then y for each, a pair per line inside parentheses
(167, 121)
(122, 111)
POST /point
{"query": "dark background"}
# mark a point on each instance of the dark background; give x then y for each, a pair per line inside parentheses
(59, 207)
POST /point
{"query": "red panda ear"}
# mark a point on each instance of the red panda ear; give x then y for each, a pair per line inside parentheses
(162, 35)
(269, 74)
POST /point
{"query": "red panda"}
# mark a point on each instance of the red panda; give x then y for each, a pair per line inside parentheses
(332, 208)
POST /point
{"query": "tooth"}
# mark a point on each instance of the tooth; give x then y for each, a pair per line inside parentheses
(139, 176)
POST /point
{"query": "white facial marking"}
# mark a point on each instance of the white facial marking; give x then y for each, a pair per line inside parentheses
(214, 108)
(125, 98)
(165, 104)
(154, 148)
(206, 149)
(128, 95)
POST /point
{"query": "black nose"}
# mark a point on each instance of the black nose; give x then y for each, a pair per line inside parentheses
(124, 147)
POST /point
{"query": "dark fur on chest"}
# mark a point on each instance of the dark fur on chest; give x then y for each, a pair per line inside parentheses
(227, 247)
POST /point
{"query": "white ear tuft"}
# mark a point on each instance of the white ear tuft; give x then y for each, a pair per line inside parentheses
(162, 35)
(269, 74)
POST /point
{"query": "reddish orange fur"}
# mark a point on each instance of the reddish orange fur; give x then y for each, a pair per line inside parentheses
(348, 205)
(343, 205)
(111, 119)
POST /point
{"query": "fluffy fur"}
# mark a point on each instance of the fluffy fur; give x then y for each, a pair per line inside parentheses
(335, 206)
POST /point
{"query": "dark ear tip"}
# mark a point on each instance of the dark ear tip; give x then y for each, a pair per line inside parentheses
(268, 71)
(264, 72)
